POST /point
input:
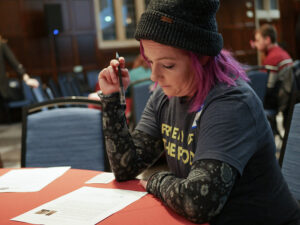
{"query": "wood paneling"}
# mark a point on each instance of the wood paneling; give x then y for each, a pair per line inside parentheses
(80, 8)
(65, 52)
(237, 28)
(11, 21)
(289, 11)
(86, 48)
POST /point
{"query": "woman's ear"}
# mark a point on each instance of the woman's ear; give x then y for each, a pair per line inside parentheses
(203, 60)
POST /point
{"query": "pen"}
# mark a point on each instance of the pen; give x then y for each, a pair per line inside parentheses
(122, 92)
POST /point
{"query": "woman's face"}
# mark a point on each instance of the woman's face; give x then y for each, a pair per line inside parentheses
(171, 68)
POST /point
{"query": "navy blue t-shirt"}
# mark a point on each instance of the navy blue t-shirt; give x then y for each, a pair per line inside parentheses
(232, 128)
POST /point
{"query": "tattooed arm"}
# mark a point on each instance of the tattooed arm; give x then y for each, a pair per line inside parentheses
(128, 154)
(200, 196)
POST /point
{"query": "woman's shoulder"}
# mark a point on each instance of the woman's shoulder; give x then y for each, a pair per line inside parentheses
(241, 88)
(235, 96)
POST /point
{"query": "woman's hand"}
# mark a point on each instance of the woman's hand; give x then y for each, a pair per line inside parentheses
(144, 184)
(109, 79)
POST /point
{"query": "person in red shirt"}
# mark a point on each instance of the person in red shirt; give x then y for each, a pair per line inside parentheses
(266, 43)
(275, 59)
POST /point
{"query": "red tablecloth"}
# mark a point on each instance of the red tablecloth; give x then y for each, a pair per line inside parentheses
(147, 210)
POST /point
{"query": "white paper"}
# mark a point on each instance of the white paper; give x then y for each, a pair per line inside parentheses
(29, 180)
(84, 206)
(102, 178)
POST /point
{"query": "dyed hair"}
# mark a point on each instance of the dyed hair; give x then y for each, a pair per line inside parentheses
(221, 68)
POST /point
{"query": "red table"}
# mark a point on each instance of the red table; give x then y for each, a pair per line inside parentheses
(147, 211)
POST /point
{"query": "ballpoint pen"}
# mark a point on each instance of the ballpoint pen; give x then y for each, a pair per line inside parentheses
(122, 92)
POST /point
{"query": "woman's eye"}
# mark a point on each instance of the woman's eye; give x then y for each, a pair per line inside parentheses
(168, 66)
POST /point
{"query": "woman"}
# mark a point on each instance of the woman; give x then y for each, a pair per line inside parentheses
(211, 125)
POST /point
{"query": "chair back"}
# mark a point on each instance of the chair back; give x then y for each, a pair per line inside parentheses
(258, 82)
(140, 93)
(38, 92)
(65, 85)
(291, 158)
(49, 93)
(92, 78)
(54, 88)
(68, 136)
(27, 90)
(69, 84)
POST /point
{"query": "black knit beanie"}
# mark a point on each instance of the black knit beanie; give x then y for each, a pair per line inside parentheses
(185, 24)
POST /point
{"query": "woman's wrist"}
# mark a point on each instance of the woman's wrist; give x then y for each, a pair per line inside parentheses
(108, 98)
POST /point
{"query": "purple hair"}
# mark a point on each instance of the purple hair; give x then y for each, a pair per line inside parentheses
(221, 68)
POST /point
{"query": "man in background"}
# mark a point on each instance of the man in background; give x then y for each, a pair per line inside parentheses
(274, 59)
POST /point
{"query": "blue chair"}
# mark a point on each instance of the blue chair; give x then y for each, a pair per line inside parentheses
(38, 92)
(28, 99)
(69, 85)
(140, 93)
(65, 85)
(92, 78)
(65, 136)
(49, 93)
(54, 88)
(291, 155)
(258, 82)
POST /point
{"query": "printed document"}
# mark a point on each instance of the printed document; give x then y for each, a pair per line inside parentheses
(102, 178)
(84, 206)
(29, 180)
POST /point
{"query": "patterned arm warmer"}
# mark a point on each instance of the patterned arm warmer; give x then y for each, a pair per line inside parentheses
(128, 154)
(201, 195)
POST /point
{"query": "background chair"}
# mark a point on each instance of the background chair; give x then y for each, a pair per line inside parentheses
(38, 92)
(54, 88)
(290, 158)
(65, 136)
(66, 86)
(92, 78)
(258, 82)
(140, 93)
(28, 99)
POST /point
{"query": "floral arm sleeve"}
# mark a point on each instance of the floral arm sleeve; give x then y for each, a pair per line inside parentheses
(128, 154)
(201, 195)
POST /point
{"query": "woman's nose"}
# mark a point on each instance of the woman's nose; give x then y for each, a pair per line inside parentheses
(154, 75)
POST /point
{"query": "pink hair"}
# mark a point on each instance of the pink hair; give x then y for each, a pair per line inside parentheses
(222, 68)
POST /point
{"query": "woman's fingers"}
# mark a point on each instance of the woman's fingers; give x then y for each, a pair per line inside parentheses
(109, 76)
(115, 63)
(112, 75)
(122, 62)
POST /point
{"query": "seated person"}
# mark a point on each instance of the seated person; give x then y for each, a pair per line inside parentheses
(204, 117)
(275, 57)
